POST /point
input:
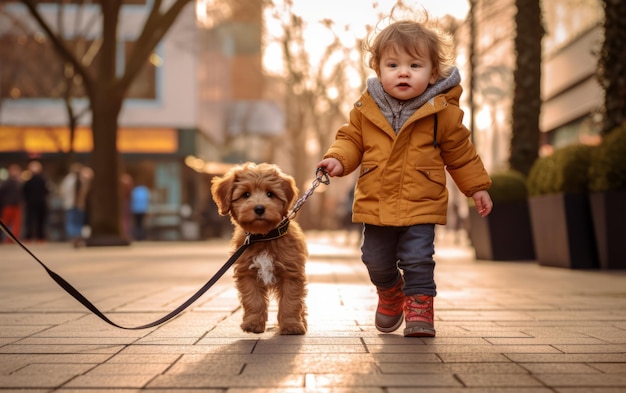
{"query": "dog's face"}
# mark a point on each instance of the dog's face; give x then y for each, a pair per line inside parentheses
(257, 196)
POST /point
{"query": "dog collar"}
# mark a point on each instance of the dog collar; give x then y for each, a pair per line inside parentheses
(275, 233)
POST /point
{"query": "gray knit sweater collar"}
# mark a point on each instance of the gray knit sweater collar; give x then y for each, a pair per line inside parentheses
(397, 112)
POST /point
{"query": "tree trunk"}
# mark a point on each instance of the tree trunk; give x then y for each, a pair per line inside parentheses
(527, 79)
(612, 65)
(472, 65)
(104, 210)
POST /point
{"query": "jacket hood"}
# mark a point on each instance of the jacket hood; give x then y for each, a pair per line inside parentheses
(397, 112)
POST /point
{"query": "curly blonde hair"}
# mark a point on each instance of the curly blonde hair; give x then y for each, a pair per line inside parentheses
(421, 38)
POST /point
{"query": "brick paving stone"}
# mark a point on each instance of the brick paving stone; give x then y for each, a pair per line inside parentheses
(498, 380)
(436, 348)
(384, 380)
(18, 331)
(199, 381)
(567, 358)
(155, 340)
(40, 341)
(289, 366)
(547, 323)
(610, 367)
(475, 390)
(143, 358)
(544, 340)
(408, 358)
(5, 341)
(319, 348)
(119, 381)
(21, 382)
(54, 358)
(559, 368)
(583, 380)
(36, 369)
(55, 348)
(399, 340)
(590, 390)
(471, 357)
(134, 390)
(129, 369)
(207, 367)
(308, 390)
(591, 348)
(185, 349)
(452, 368)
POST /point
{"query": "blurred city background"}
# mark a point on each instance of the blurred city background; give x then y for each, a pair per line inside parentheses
(168, 94)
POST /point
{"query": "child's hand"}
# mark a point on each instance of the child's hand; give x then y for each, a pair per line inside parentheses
(483, 203)
(332, 166)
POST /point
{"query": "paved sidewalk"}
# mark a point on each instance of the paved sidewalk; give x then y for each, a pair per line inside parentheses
(501, 326)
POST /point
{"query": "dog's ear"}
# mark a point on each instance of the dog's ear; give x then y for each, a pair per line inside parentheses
(222, 191)
(289, 188)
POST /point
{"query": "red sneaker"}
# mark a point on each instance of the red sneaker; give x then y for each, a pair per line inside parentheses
(390, 308)
(419, 316)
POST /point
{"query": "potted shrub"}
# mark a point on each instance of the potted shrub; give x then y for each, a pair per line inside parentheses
(559, 209)
(505, 234)
(607, 187)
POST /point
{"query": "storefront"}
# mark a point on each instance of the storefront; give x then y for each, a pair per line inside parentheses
(154, 157)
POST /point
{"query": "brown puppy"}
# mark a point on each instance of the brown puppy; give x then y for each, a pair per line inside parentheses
(257, 198)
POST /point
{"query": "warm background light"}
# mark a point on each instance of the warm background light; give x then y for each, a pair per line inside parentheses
(350, 18)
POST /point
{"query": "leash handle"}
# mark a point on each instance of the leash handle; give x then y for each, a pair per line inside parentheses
(89, 305)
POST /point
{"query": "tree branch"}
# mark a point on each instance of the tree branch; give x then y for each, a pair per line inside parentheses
(57, 41)
(156, 26)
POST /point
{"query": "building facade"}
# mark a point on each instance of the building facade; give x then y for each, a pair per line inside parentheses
(571, 94)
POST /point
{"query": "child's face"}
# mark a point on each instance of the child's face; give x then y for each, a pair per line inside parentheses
(403, 75)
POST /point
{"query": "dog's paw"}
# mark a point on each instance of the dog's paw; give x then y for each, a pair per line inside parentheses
(253, 327)
(297, 329)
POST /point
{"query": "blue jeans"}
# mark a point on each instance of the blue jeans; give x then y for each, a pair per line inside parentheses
(74, 221)
(389, 252)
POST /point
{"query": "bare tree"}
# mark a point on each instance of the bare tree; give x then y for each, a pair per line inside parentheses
(83, 51)
(18, 43)
(106, 89)
(316, 95)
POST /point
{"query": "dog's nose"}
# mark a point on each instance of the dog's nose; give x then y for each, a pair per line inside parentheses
(259, 210)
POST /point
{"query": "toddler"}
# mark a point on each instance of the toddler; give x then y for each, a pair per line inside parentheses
(404, 132)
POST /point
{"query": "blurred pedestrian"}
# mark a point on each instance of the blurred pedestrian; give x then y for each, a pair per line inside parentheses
(126, 184)
(11, 201)
(139, 205)
(455, 230)
(35, 191)
(74, 191)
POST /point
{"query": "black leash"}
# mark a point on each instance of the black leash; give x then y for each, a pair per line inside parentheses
(275, 233)
(280, 230)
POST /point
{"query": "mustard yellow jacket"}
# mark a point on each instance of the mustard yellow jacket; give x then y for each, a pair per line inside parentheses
(402, 177)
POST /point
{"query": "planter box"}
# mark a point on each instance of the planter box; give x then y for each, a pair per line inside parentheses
(563, 231)
(505, 234)
(609, 222)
